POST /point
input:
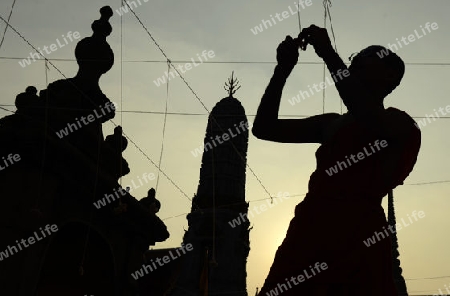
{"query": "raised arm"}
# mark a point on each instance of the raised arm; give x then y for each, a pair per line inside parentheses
(363, 90)
(353, 90)
(267, 126)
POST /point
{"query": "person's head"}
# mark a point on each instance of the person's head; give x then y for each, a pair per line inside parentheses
(379, 69)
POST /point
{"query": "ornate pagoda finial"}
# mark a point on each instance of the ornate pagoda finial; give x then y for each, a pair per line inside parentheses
(101, 27)
(94, 52)
(232, 85)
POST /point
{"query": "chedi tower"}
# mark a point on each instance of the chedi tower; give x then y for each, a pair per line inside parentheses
(217, 263)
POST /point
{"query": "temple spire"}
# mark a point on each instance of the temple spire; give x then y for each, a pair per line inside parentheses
(217, 264)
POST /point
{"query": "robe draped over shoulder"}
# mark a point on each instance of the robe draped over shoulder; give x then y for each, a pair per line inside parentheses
(341, 211)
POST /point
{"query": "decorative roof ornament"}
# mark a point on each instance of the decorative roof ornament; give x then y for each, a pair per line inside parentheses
(232, 85)
(94, 52)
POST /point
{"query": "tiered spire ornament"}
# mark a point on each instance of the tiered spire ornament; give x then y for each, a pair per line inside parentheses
(232, 85)
(94, 52)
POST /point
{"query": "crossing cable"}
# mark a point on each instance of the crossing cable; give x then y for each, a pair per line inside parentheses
(195, 114)
(263, 199)
(429, 278)
(236, 203)
(91, 214)
(3, 108)
(46, 122)
(6, 28)
(222, 62)
(258, 200)
(428, 183)
(194, 93)
(87, 97)
(81, 270)
(140, 150)
(166, 113)
(175, 113)
(327, 5)
(294, 195)
(164, 126)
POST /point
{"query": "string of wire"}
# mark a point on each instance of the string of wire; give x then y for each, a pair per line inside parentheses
(195, 95)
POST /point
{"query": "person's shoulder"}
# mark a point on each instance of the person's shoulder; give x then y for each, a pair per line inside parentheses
(334, 123)
(400, 119)
(402, 123)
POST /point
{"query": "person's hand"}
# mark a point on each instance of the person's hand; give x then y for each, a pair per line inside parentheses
(287, 54)
(318, 38)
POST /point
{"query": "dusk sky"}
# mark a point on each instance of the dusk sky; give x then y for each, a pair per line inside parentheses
(219, 36)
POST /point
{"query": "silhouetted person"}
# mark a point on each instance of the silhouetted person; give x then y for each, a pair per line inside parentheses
(364, 153)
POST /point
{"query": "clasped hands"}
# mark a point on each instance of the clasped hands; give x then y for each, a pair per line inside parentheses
(287, 51)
